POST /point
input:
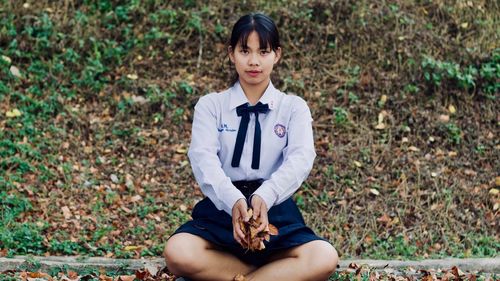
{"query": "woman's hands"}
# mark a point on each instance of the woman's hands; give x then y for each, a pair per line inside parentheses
(260, 210)
(240, 212)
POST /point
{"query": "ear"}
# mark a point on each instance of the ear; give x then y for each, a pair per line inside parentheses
(278, 55)
(230, 51)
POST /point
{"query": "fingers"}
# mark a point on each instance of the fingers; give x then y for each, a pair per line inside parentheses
(237, 233)
(256, 209)
(243, 214)
(244, 211)
(264, 222)
(260, 210)
(239, 211)
(237, 237)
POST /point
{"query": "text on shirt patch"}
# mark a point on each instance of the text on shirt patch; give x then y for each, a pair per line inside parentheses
(280, 130)
(224, 127)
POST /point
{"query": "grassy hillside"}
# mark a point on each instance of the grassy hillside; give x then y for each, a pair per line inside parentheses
(96, 102)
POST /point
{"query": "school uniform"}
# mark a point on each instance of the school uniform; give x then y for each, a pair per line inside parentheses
(238, 150)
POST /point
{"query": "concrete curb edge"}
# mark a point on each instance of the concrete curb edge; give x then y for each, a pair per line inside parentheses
(490, 265)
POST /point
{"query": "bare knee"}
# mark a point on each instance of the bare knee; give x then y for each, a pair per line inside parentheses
(182, 253)
(323, 258)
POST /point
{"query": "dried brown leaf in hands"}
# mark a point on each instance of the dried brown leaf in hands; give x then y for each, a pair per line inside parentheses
(253, 239)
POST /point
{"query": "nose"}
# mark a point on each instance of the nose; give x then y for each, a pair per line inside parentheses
(253, 60)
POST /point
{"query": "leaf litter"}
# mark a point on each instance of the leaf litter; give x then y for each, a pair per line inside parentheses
(354, 271)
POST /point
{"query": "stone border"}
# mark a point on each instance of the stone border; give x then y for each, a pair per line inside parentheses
(489, 265)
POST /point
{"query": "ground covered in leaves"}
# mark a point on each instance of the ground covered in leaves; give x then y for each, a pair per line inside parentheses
(96, 103)
(353, 272)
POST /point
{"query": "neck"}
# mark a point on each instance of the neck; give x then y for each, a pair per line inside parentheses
(254, 92)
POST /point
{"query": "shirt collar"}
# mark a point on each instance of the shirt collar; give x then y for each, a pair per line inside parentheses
(238, 96)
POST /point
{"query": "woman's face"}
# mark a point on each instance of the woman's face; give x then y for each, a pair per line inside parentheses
(253, 64)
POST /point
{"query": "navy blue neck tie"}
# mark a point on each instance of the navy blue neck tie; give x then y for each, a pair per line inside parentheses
(244, 111)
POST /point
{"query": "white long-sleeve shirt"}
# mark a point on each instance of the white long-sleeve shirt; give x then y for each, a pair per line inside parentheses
(287, 146)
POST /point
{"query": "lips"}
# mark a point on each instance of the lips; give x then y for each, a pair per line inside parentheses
(254, 73)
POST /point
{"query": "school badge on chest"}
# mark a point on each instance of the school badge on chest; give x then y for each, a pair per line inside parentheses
(280, 130)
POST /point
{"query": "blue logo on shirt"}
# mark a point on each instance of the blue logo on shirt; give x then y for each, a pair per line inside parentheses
(224, 127)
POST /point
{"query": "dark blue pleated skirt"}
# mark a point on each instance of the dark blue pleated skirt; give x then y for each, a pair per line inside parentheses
(216, 227)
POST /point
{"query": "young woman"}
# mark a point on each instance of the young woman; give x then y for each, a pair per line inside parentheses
(252, 146)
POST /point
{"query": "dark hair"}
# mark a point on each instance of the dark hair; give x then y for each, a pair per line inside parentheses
(260, 23)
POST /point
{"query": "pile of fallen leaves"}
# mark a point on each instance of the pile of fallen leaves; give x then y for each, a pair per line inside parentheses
(352, 272)
(141, 274)
(364, 272)
(255, 240)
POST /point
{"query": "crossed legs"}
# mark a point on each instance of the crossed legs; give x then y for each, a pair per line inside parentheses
(191, 256)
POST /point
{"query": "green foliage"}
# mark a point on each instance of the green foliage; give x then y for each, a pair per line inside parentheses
(411, 89)
(11, 207)
(437, 71)
(66, 247)
(484, 246)
(340, 116)
(101, 232)
(22, 238)
(8, 278)
(454, 133)
(484, 77)
(353, 75)
(384, 248)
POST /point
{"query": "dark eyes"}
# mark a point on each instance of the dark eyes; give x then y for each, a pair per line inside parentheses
(262, 51)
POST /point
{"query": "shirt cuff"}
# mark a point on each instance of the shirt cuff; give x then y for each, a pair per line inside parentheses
(230, 196)
(266, 192)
